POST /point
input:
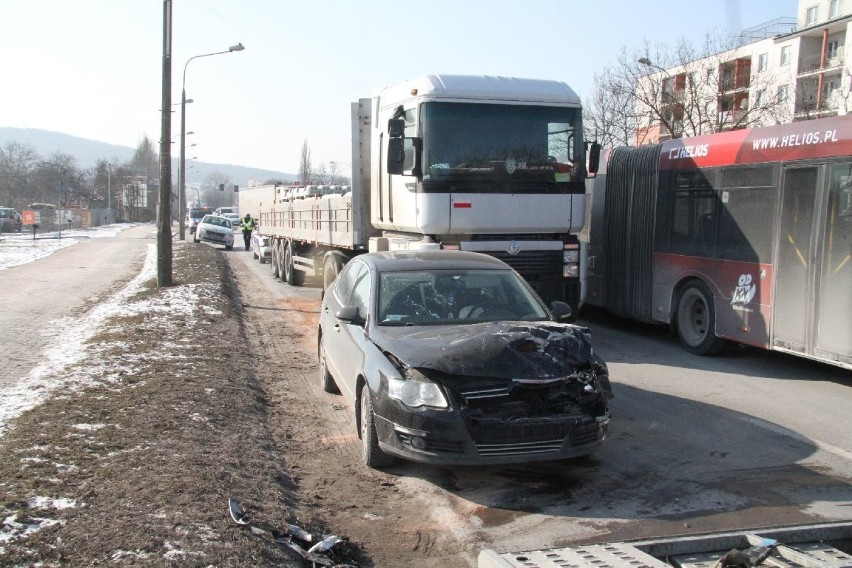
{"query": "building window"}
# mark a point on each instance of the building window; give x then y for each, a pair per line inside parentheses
(829, 88)
(760, 98)
(834, 9)
(832, 49)
(783, 93)
(811, 15)
(785, 55)
(762, 62)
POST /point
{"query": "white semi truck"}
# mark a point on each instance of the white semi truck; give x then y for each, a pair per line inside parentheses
(489, 164)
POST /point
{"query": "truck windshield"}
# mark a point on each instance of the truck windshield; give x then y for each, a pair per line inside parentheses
(501, 148)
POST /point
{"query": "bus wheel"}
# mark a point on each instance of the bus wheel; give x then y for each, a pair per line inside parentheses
(696, 320)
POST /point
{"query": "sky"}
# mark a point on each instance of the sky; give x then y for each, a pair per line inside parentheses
(94, 68)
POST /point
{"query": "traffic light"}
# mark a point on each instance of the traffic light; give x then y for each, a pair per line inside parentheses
(221, 187)
(236, 188)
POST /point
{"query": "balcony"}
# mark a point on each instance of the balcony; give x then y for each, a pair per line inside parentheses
(806, 109)
(672, 97)
(813, 63)
(729, 118)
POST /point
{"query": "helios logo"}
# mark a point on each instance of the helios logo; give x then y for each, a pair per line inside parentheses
(745, 290)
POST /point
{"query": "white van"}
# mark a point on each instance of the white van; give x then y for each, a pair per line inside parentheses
(222, 210)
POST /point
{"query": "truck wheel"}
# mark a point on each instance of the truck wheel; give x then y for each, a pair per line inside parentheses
(330, 271)
(371, 453)
(696, 320)
(326, 380)
(292, 276)
(276, 261)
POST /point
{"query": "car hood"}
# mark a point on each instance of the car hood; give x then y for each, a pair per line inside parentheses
(514, 350)
(217, 229)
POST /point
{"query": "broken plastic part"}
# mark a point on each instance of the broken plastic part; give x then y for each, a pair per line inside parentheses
(325, 544)
(237, 512)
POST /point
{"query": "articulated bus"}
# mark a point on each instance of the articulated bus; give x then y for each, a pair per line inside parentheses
(743, 236)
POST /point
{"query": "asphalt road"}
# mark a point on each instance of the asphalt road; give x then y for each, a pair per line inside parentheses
(743, 440)
(63, 285)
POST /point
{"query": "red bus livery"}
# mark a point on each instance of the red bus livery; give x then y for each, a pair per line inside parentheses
(741, 236)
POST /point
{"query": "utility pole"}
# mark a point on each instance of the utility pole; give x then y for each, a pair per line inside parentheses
(164, 215)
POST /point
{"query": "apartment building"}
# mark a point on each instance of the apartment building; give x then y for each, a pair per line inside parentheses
(781, 71)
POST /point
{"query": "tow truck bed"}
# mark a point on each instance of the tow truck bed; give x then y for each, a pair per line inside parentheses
(815, 546)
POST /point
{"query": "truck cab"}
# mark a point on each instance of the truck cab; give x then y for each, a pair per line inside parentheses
(488, 164)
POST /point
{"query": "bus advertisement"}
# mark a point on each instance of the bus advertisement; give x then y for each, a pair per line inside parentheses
(742, 236)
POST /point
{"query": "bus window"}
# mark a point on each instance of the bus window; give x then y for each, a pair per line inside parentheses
(693, 216)
(747, 214)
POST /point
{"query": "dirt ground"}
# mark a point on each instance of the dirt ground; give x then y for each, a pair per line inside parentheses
(216, 405)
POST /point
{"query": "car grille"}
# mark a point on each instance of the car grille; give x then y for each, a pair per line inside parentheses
(509, 419)
(519, 449)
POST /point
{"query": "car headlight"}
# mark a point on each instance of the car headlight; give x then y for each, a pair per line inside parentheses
(416, 390)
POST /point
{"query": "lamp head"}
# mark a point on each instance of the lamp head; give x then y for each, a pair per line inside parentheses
(644, 61)
(238, 47)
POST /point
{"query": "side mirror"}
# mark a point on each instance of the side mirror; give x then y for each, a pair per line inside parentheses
(560, 310)
(349, 314)
(396, 155)
(396, 127)
(594, 157)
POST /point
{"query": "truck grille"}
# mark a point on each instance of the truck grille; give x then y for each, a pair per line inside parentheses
(532, 263)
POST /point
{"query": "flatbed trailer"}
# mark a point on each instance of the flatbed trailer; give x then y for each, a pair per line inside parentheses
(826, 545)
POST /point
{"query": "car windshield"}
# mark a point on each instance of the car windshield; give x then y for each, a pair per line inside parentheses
(441, 297)
(218, 221)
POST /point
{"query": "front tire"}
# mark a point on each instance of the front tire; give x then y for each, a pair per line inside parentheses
(326, 380)
(696, 320)
(371, 454)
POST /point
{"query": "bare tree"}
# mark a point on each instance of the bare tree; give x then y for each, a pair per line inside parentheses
(218, 191)
(145, 158)
(305, 170)
(17, 163)
(656, 93)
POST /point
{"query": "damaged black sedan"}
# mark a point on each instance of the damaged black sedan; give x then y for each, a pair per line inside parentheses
(449, 357)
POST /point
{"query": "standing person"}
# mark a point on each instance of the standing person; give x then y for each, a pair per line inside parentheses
(248, 226)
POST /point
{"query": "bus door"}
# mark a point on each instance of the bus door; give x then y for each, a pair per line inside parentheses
(794, 297)
(834, 272)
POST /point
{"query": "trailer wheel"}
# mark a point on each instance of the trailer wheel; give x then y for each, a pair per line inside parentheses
(331, 269)
(292, 276)
(276, 266)
(696, 320)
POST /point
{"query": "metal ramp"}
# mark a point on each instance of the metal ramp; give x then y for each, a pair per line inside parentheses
(807, 546)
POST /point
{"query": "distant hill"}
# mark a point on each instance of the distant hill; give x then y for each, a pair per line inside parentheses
(88, 152)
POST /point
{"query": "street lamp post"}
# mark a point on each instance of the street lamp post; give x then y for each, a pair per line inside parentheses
(182, 176)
